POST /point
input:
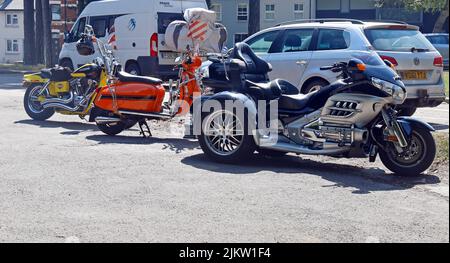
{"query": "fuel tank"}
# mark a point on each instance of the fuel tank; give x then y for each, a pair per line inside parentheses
(138, 97)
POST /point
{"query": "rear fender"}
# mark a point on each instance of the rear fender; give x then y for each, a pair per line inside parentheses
(34, 79)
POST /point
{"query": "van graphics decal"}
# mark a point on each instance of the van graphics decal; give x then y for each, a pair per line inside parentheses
(166, 4)
(132, 24)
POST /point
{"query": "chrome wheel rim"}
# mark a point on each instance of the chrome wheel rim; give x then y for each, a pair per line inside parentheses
(224, 133)
(414, 154)
(33, 100)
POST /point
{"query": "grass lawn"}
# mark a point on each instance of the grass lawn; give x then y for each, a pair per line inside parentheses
(446, 82)
(20, 67)
(442, 140)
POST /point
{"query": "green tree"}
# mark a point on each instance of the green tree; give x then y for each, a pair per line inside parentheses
(426, 5)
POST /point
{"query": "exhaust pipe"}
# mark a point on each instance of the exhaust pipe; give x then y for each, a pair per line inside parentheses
(106, 120)
(60, 106)
(58, 101)
(329, 149)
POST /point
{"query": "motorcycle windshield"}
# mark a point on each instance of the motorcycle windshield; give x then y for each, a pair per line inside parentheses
(370, 58)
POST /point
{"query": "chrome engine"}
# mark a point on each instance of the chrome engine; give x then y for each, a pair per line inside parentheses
(340, 123)
(81, 92)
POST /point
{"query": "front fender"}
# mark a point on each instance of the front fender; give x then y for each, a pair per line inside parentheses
(409, 124)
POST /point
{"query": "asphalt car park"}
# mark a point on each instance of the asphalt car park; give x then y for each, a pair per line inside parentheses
(64, 181)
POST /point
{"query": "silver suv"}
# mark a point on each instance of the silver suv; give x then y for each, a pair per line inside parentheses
(298, 49)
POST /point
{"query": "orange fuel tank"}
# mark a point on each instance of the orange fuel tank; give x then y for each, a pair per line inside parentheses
(132, 96)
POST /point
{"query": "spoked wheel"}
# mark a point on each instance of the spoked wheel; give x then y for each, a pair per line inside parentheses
(33, 106)
(224, 137)
(417, 158)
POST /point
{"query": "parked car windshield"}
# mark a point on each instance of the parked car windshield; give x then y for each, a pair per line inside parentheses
(398, 40)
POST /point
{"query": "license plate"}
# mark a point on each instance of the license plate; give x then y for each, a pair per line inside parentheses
(169, 55)
(414, 75)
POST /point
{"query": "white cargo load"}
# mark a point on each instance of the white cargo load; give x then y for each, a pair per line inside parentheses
(199, 31)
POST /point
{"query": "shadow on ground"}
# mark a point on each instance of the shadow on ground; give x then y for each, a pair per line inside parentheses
(364, 180)
(73, 128)
(172, 144)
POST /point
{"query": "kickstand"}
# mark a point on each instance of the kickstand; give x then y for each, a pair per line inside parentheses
(143, 124)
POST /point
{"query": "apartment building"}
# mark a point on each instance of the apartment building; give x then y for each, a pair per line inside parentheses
(234, 14)
(11, 31)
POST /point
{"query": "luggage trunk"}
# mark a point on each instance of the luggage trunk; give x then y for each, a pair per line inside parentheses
(135, 97)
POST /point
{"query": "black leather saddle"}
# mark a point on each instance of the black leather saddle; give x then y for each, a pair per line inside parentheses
(56, 74)
(127, 77)
(295, 102)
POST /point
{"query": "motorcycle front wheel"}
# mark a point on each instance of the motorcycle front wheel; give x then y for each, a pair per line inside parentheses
(417, 157)
(33, 106)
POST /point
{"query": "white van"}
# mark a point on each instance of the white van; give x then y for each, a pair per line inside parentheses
(139, 27)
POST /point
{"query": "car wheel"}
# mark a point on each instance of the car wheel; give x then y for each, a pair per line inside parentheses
(133, 69)
(314, 85)
(66, 63)
(407, 111)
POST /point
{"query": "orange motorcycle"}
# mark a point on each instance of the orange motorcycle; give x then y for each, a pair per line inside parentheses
(128, 99)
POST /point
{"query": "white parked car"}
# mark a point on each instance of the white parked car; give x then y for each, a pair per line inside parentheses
(139, 25)
(298, 49)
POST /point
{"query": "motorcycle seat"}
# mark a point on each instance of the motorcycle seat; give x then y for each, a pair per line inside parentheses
(127, 77)
(46, 73)
(295, 102)
(56, 74)
(264, 91)
(271, 90)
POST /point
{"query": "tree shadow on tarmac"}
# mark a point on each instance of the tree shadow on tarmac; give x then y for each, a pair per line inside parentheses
(364, 180)
(73, 128)
(172, 144)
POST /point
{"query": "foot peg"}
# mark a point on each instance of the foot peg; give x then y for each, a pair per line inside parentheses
(143, 124)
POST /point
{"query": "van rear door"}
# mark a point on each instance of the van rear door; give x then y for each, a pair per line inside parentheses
(166, 56)
(167, 12)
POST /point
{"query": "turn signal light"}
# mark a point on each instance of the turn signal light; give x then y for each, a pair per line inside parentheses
(361, 67)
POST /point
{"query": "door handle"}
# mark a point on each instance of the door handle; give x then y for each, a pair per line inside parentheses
(301, 62)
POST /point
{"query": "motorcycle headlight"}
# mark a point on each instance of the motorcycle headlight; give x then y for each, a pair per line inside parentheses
(398, 93)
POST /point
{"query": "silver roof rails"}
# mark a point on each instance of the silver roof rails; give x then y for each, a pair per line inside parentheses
(322, 20)
(387, 21)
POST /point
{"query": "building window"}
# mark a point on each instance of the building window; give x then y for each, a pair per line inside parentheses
(217, 8)
(270, 12)
(239, 37)
(12, 46)
(56, 12)
(242, 12)
(12, 20)
(298, 11)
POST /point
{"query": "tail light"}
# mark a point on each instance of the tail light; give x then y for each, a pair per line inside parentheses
(390, 59)
(154, 45)
(438, 61)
